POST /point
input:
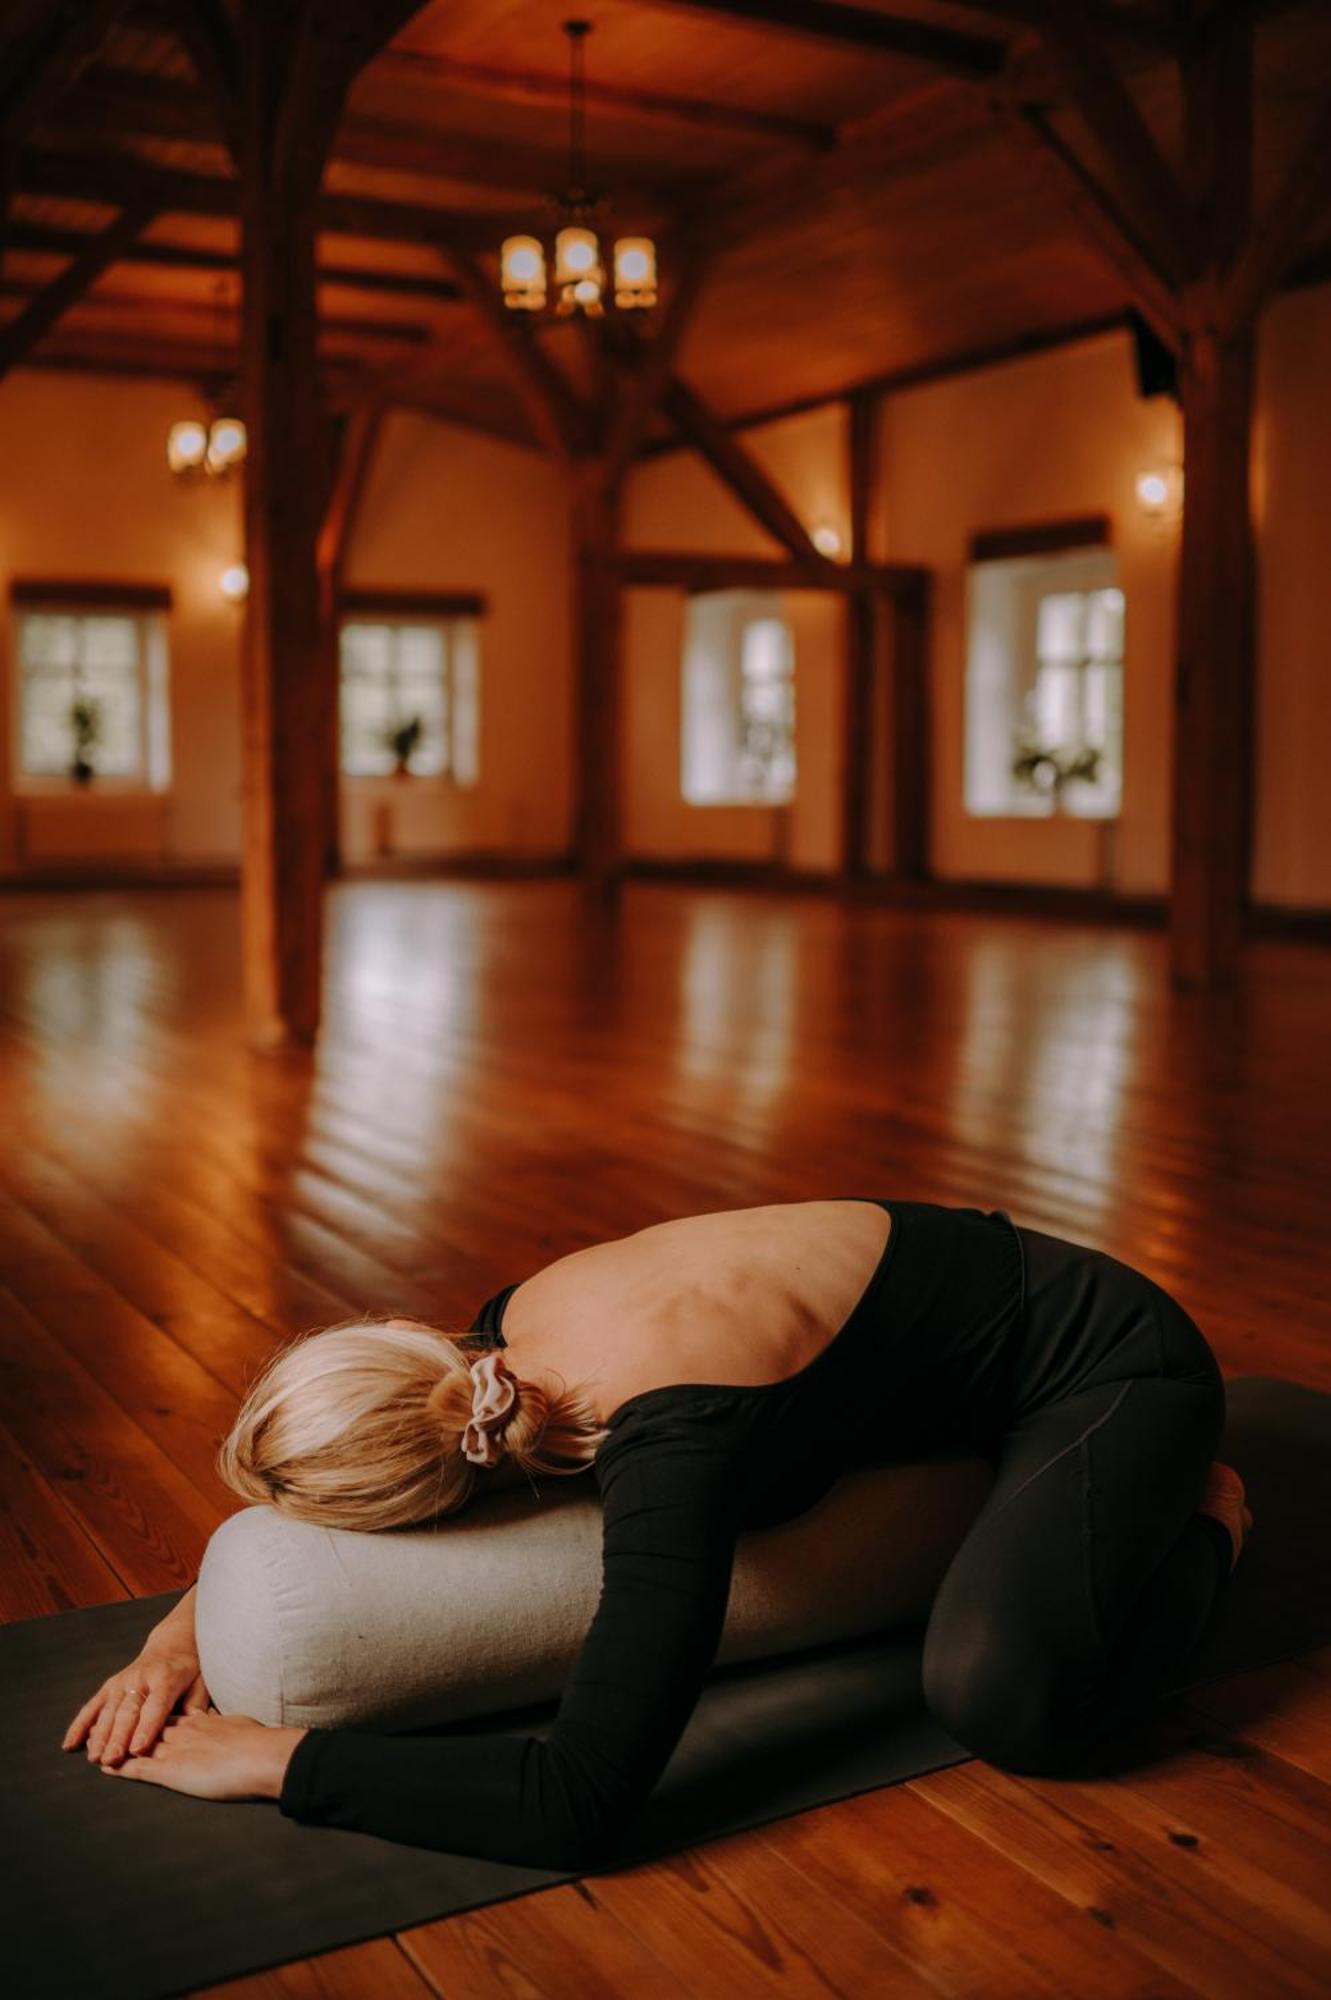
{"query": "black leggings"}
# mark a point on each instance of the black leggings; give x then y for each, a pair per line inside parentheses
(1087, 1576)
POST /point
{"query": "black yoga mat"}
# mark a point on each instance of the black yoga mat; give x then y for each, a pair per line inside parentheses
(136, 1893)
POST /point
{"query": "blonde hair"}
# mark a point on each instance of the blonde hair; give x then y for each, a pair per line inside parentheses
(360, 1426)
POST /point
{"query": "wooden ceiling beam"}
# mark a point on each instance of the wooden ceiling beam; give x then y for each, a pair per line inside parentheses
(563, 419)
(1153, 32)
(124, 104)
(1093, 209)
(862, 28)
(1282, 231)
(45, 237)
(113, 177)
(739, 470)
(21, 335)
(37, 67)
(144, 307)
(1146, 186)
(644, 386)
(503, 86)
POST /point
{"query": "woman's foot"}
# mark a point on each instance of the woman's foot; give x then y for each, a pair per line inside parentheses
(1223, 1497)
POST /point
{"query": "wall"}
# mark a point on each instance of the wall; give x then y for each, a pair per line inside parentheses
(85, 494)
(446, 509)
(676, 502)
(1053, 435)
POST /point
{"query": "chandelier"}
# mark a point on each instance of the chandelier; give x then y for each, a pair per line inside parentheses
(196, 449)
(578, 264)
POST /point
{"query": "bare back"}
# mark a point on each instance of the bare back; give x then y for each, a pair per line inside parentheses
(742, 1296)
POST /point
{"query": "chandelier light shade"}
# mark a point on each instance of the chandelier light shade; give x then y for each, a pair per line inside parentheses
(187, 445)
(635, 273)
(226, 444)
(522, 272)
(577, 270)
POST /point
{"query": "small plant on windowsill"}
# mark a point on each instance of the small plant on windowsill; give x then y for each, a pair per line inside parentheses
(404, 741)
(85, 728)
(1041, 769)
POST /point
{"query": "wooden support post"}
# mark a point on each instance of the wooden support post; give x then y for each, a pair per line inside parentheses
(1217, 571)
(598, 787)
(1214, 671)
(354, 454)
(908, 614)
(861, 633)
(287, 688)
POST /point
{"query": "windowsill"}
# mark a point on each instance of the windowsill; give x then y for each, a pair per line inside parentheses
(1027, 816)
(64, 789)
(737, 805)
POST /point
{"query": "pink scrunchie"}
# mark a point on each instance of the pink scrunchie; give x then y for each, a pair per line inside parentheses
(494, 1396)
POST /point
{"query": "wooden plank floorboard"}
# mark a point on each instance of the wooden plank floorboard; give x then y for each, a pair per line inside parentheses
(506, 1074)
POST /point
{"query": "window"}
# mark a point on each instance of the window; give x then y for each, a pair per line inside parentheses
(1044, 686)
(409, 697)
(738, 738)
(92, 694)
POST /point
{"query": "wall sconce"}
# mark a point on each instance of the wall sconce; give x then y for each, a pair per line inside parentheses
(234, 583)
(826, 538)
(1159, 492)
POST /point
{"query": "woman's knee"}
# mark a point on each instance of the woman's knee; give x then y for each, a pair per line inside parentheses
(1002, 1701)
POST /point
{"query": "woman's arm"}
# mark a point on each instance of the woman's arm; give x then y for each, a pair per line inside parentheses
(670, 1530)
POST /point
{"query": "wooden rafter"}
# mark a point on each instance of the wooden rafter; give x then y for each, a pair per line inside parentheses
(121, 102)
(116, 177)
(40, 66)
(44, 237)
(863, 28)
(1147, 189)
(732, 462)
(506, 86)
(643, 389)
(21, 335)
(1093, 210)
(1282, 232)
(559, 414)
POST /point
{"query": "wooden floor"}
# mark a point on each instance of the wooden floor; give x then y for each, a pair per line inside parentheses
(506, 1075)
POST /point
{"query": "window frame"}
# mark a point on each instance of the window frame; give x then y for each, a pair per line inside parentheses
(1041, 559)
(399, 609)
(149, 606)
(747, 608)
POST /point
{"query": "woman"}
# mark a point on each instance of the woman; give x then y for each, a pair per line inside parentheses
(729, 1368)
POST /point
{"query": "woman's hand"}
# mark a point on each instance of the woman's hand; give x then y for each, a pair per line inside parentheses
(215, 1757)
(126, 1714)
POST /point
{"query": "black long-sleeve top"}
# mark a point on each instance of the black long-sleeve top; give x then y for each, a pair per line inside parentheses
(682, 1472)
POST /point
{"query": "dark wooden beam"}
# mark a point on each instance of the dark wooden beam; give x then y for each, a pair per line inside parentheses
(505, 86)
(37, 69)
(598, 680)
(675, 569)
(756, 492)
(356, 440)
(111, 177)
(1092, 209)
(1213, 708)
(21, 335)
(120, 104)
(861, 634)
(44, 237)
(1147, 189)
(862, 28)
(563, 421)
(908, 614)
(1283, 230)
(653, 360)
